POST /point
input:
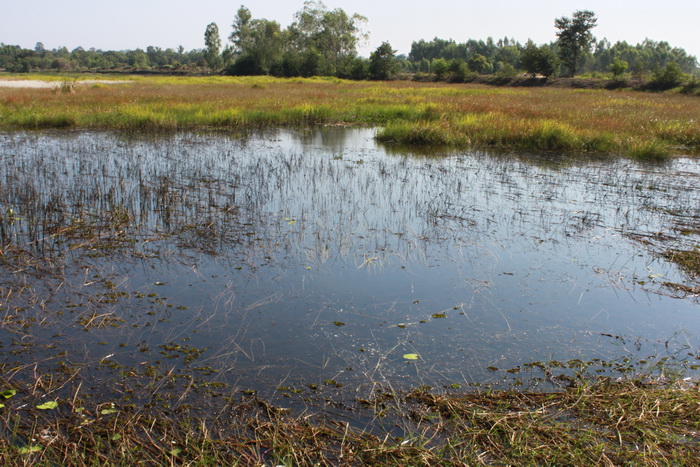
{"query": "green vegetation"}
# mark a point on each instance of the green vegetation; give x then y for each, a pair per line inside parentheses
(323, 42)
(382, 64)
(539, 60)
(596, 121)
(575, 37)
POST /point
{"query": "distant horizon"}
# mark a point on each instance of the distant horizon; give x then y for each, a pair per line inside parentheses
(137, 25)
(175, 48)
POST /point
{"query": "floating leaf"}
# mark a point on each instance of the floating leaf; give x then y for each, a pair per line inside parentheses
(50, 405)
(411, 356)
(108, 411)
(29, 449)
(2, 405)
(439, 315)
(338, 323)
(116, 437)
(7, 393)
(175, 452)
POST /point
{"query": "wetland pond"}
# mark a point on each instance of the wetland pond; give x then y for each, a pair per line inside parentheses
(153, 269)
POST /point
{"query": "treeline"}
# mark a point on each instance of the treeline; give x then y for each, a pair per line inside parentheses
(490, 57)
(323, 42)
(18, 60)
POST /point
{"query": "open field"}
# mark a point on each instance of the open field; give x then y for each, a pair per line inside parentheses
(632, 124)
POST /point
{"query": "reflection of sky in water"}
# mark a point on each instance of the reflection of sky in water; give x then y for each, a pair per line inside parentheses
(525, 258)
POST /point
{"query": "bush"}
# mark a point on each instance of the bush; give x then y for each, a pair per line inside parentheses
(246, 65)
(506, 72)
(670, 77)
(458, 72)
(439, 67)
(618, 67)
(360, 69)
(692, 86)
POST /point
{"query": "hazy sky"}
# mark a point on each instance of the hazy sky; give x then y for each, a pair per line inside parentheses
(130, 24)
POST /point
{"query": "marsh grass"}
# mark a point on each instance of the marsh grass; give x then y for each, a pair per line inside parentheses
(592, 423)
(688, 260)
(420, 114)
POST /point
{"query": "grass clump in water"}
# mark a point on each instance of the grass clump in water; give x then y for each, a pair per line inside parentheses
(688, 260)
(648, 150)
(417, 134)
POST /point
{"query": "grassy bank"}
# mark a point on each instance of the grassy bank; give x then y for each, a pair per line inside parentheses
(609, 423)
(597, 121)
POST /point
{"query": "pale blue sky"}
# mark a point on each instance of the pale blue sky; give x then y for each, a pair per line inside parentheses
(129, 24)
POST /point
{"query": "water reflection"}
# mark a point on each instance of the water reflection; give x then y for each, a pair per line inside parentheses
(296, 257)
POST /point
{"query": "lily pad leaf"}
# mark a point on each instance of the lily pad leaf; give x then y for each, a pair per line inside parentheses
(7, 393)
(411, 356)
(50, 405)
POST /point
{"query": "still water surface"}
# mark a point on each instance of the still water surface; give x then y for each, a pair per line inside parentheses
(287, 258)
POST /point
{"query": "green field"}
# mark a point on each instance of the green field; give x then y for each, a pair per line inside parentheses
(628, 123)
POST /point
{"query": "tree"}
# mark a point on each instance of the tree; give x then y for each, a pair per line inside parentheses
(212, 41)
(382, 62)
(479, 64)
(575, 37)
(439, 67)
(333, 33)
(618, 67)
(459, 72)
(539, 60)
(241, 34)
(669, 77)
(259, 49)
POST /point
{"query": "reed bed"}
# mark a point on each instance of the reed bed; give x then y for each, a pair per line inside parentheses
(643, 125)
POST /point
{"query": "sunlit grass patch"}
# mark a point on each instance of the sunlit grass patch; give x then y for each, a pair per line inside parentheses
(417, 134)
(551, 135)
(681, 132)
(647, 150)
